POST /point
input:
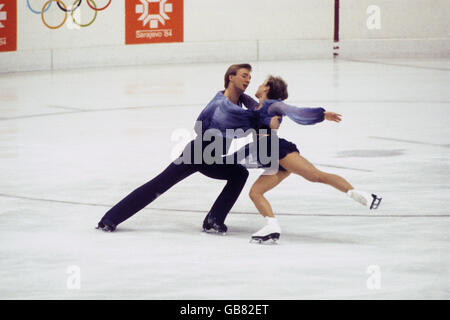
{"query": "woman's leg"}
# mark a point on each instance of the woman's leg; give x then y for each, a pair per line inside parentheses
(263, 184)
(295, 163)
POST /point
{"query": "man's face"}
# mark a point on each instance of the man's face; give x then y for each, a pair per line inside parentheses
(241, 80)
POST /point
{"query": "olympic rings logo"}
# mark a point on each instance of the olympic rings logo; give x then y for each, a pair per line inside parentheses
(61, 5)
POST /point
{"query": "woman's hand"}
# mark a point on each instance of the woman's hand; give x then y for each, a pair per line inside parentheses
(332, 116)
(275, 122)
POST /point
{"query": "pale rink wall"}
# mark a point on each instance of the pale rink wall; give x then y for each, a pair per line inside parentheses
(234, 30)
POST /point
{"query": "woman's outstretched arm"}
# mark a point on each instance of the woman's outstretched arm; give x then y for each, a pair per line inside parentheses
(304, 116)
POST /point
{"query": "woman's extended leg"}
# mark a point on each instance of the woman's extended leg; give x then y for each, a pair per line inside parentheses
(295, 163)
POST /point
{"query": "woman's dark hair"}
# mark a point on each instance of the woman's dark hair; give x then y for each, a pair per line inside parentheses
(233, 69)
(278, 88)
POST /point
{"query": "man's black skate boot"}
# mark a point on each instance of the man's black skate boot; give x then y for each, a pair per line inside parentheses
(210, 225)
(106, 227)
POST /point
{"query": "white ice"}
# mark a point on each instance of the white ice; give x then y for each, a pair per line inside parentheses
(73, 143)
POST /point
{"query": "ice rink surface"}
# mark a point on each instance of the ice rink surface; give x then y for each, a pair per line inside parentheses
(73, 143)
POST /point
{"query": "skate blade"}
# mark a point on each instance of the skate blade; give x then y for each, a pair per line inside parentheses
(375, 202)
(269, 239)
(212, 231)
(105, 229)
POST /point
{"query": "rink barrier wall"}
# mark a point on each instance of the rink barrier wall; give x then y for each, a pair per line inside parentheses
(224, 51)
(167, 53)
(394, 48)
(261, 30)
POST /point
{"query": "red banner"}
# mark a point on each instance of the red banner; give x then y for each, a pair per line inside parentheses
(153, 21)
(8, 25)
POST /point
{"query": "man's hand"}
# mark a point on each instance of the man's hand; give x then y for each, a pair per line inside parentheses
(275, 122)
(331, 116)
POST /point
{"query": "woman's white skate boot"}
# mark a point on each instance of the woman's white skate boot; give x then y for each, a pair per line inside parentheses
(372, 201)
(271, 231)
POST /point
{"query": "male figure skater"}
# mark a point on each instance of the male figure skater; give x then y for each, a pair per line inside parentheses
(223, 112)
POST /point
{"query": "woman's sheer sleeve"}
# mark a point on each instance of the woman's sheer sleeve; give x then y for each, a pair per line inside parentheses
(305, 116)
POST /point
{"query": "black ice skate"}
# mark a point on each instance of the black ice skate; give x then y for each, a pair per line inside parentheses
(106, 227)
(211, 226)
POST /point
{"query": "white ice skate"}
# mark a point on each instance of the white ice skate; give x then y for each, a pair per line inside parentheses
(372, 201)
(271, 231)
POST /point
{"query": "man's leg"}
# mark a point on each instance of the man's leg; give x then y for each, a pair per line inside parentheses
(144, 195)
(236, 176)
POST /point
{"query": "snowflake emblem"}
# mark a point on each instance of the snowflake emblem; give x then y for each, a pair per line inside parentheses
(2, 16)
(154, 19)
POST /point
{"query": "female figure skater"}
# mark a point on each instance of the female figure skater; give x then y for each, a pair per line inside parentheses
(270, 95)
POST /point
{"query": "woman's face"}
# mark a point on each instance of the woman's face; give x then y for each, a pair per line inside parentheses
(262, 89)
